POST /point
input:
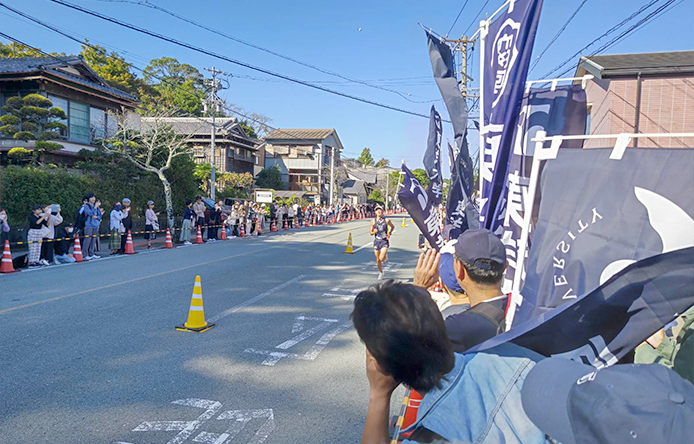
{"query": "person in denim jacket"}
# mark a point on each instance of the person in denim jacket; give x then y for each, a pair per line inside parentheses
(471, 398)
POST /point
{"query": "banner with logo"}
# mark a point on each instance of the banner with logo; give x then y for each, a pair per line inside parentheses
(432, 158)
(602, 326)
(598, 215)
(507, 47)
(562, 111)
(414, 198)
(459, 197)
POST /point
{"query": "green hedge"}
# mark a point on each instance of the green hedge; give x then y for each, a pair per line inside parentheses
(21, 188)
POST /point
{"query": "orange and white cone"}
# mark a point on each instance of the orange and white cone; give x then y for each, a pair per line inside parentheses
(223, 234)
(258, 230)
(273, 227)
(198, 237)
(129, 249)
(286, 224)
(242, 230)
(77, 250)
(6, 264)
(196, 314)
(169, 243)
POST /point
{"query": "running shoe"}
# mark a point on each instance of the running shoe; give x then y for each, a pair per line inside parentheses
(187, 243)
(44, 262)
(380, 276)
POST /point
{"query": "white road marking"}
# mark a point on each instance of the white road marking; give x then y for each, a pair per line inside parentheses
(239, 419)
(289, 343)
(344, 297)
(390, 266)
(253, 300)
(364, 246)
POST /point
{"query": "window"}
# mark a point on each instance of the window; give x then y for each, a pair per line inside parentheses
(59, 102)
(79, 122)
(97, 123)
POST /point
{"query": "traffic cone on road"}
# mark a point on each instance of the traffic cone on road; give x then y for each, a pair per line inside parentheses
(286, 224)
(77, 250)
(403, 222)
(6, 263)
(196, 314)
(273, 227)
(198, 237)
(259, 231)
(242, 230)
(168, 243)
(350, 248)
(307, 221)
(129, 249)
(223, 234)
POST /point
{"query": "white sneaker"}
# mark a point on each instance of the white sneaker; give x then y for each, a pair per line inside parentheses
(94, 257)
(380, 276)
(43, 262)
(187, 243)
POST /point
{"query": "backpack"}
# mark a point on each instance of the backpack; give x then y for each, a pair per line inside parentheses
(80, 220)
(490, 312)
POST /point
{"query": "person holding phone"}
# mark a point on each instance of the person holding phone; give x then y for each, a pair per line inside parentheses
(47, 247)
(93, 213)
(151, 224)
(38, 221)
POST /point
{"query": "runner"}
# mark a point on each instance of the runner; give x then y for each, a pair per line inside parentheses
(381, 233)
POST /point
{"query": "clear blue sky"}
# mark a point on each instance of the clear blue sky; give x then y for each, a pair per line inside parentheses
(390, 45)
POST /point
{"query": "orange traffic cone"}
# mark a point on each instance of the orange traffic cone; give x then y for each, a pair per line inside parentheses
(129, 249)
(6, 264)
(307, 221)
(273, 227)
(242, 230)
(77, 250)
(168, 243)
(196, 314)
(223, 234)
(198, 237)
(286, 224)
(259, 230)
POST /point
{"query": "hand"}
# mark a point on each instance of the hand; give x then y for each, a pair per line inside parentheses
(656, 339)
(380, 383)
(427, 271)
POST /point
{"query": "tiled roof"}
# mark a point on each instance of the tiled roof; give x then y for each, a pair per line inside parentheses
(299, 134)
(352, 186)
(52, 65)
(646, 63)
(195, 125)
(366, 176)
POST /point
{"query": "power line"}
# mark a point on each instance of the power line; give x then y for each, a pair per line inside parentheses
(457, 17)
(605, 34)
(478, 14)
(556, 36)
(635, 27)
(147, 4)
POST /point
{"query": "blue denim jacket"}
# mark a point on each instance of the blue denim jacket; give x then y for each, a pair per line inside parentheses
(90, 211)
(480, 399)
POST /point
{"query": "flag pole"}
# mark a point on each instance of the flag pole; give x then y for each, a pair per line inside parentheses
(483, 31)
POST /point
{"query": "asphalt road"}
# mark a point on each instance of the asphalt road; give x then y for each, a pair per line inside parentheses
(89, 354)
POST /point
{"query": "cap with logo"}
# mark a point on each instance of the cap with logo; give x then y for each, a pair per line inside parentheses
(476, 244)
(576, 404)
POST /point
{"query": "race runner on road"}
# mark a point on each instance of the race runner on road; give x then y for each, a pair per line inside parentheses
(381, 233)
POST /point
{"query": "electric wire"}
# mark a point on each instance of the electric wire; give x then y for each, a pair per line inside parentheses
(457, 17)
(472, 23)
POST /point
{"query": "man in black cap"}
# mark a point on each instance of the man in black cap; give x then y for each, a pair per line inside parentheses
(480, 261)
(576, 404)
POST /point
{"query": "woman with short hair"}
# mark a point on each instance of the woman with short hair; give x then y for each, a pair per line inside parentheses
(151, 224)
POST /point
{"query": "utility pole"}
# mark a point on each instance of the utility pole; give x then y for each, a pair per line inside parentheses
(461, 45)
(213, 108)
(332, 172)
(387, 194)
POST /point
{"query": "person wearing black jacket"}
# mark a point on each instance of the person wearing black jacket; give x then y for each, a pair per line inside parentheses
(63, 236)
(127, 223)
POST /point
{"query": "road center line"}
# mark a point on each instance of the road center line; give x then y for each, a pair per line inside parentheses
(364, 246)
(253, 300)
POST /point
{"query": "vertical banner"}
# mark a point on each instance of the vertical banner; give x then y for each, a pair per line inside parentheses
(415, 200)
(507, 45)
(461, 190)
(461, 211)
(432, 158)
(559, 112)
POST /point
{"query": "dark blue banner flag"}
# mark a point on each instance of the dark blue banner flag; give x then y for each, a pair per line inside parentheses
(432, 158)
(459, 197)
(602, 326)
(561, 111)
(414, 198)
(597, 215)
(507, 46)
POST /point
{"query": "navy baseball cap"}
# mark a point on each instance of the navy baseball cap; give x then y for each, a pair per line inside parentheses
(576, 404)
(477, 244)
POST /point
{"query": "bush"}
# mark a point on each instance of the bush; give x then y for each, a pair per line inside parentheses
(110, 179)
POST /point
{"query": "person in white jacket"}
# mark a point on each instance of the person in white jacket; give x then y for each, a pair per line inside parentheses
(47, 248)
(115, 226)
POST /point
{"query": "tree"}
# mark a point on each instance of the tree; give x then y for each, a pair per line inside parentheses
(152, 149)
(14, 50)
(383, 162)
(421, 176)
(111, 67)
(33, 117)
(249, 130)
(259, 123)
(376, 196)
(270, 177)
(365, 158)
(224, 180)
(173, 85)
